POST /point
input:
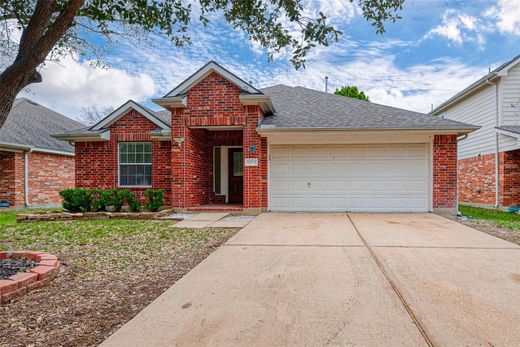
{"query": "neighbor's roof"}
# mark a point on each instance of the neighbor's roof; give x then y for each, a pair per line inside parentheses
(499, 71)
(30, 124)
(303, 108)
(511, 128)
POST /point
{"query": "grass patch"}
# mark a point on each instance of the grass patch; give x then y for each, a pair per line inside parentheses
(9, 216)
(111, 269)
(499, 218)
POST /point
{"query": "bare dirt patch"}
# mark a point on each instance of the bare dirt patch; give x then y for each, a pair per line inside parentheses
(510, 235)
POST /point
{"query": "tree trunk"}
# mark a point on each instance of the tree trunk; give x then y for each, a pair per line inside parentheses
(38, 38)
(9, 89)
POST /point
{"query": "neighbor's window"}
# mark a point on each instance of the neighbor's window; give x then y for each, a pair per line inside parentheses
(135, 164)
(216, 170)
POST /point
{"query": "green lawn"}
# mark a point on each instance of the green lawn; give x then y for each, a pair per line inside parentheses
(111, 269)
(9, 216)
(499, 218)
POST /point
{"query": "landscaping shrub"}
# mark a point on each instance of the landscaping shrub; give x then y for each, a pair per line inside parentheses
(97, 200)
(76, 200)
(115, 198)
(154, 199)
(133, 204)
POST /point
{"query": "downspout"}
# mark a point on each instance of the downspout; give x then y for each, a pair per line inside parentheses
(26, 176)
(497, 149)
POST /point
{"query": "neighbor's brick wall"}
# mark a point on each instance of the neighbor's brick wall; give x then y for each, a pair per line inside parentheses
(96, 162)
(48, 174)
(444, 171)
(477, 173)
(12, 178)
(214, 101)
(509, 178)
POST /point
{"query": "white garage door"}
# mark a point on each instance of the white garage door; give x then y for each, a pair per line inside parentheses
(349, 178)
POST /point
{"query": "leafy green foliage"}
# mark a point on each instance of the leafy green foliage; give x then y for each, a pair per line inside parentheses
(271, 23)
(154, 199)
(97, 200)
(499, 218)
(352, 92)
(133, 203)
(76, 200)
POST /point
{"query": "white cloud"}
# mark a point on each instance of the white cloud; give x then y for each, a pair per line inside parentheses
(370, 65)
(459, 27)
(71, 85)
(507, 16)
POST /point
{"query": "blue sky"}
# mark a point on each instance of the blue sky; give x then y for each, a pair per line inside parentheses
(436, 49)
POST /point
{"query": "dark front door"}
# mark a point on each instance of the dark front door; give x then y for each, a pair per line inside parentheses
(236, 175)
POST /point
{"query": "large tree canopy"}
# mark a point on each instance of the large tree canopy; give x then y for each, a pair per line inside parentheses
(51, 28)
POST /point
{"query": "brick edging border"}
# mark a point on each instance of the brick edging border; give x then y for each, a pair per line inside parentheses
(46, 269)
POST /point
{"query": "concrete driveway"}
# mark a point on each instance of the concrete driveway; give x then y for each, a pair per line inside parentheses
(338, 279)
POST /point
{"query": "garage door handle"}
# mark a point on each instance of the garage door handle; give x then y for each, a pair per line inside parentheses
(308, 184)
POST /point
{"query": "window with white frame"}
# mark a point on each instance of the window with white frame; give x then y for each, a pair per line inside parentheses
(135, 164)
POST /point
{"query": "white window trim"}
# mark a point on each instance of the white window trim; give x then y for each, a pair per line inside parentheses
(119, 185)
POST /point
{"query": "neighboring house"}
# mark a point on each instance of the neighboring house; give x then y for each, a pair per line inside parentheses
(223, 143)
(33, 165)
(489, 159)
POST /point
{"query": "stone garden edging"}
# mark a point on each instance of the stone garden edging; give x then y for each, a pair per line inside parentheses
(64, 216)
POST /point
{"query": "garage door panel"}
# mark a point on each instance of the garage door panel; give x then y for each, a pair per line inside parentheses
(350, 178)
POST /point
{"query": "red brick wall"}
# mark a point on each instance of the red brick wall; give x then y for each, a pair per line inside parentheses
(444, 171)
(48, 174)
(477, 173)
(509, 178)
(255, 177)
(96, 162)
(12, 178)
(214, 101)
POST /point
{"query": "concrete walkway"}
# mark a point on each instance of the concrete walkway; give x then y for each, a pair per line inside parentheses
(338, 279)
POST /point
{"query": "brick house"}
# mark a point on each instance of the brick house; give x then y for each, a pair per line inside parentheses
(489, 159)
(222, 143)
(33, 165)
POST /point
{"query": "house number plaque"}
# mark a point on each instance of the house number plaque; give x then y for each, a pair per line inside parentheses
(251, 162)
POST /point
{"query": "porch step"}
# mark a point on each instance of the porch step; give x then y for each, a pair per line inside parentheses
(216, 208)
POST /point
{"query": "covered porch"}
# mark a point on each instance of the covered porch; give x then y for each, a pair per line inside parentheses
(212, 169)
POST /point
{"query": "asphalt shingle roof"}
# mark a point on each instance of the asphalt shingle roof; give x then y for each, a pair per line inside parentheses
(299, 107)
(30, 124)
(511, 128)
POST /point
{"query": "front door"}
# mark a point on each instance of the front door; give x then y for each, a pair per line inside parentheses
(236, 175)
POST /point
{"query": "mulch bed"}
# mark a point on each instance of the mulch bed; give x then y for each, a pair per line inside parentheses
(12, 266)
(79, 310)
(512, 236)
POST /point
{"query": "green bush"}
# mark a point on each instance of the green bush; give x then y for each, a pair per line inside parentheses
(154, 199)
(133, 203)
(97, 200)
(76, 200)
(115, 198)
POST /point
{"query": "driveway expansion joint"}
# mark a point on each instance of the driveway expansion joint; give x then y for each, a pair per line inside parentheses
(396, 290)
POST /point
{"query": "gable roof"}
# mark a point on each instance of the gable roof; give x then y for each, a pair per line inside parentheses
(203, 72)
(31, 124)
(498, 72)
(300, 108)
(153, 116)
